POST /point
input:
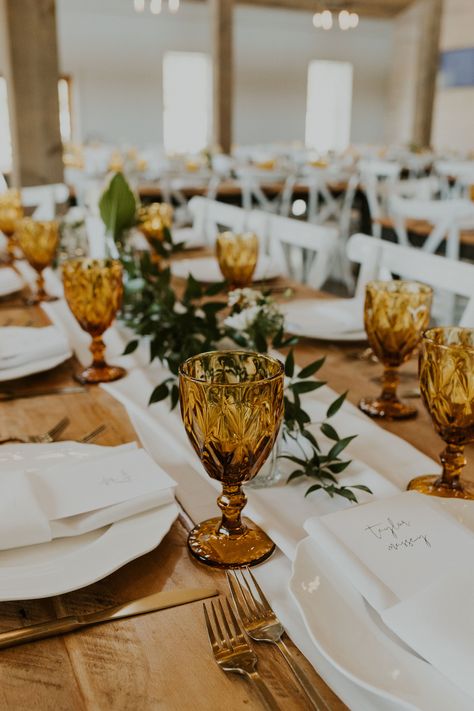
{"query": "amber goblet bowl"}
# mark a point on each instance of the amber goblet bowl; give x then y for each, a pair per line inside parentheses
(232, 408)
(11, 212)
(93, 289)
(39, 243)
(237, 255)
(152, 221)
(395, 314)
(446, 370)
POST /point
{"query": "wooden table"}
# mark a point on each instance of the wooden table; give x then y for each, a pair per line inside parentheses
(159, 661)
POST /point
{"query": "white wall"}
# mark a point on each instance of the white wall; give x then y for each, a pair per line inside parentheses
(115, 57)
(453, 120)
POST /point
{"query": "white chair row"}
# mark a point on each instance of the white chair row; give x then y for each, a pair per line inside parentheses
(44, 198)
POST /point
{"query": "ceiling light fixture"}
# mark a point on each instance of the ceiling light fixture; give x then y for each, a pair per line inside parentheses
(325, 20)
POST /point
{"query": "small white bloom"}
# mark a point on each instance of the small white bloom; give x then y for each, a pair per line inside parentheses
(243, 320)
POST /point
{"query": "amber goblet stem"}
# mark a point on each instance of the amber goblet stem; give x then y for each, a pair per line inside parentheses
(453, 461)
(231, 502)
(390, 380)
(97, 348)
(41, 294)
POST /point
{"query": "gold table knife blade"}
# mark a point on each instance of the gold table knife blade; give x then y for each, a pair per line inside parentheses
(151, 603)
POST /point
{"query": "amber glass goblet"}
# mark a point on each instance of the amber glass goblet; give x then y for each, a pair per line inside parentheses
(232, 408)
(39, 243)
(152, 220)
(395, 314)
(93, 289)
(11, 212)
(446, 369)
(237, 255)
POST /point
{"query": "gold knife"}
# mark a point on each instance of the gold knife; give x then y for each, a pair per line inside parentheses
(6, 395)
(151, 603)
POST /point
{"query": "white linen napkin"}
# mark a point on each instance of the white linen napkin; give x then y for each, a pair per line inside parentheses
(10, 281)
(20, 345)
(325, 317)
(43, 503)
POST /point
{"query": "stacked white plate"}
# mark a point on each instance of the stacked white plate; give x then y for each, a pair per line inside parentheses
(206, 269)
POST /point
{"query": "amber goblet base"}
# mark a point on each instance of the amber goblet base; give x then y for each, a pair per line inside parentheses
(209, 545)
(434, 485)
(100, 374)
(389, 409)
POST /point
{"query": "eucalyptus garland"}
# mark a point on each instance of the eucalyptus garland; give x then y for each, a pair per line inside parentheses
(180, 326)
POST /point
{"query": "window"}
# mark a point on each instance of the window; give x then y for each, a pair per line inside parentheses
(65, 124)
(329, 105)
(187, 102)
(5, 135)
(65, 112)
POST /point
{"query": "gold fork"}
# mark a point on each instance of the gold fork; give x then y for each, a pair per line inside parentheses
(49, 436)
(232, 652)
(262, 625)
(93, 435)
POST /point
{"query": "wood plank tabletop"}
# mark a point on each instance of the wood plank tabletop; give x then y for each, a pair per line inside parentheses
(162, 660)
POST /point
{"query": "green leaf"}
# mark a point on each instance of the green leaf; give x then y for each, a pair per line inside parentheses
(310, 437)
(335, 451)
(336, 405)
(312, 488)
(131, 347)
(339, 467)
(193, 289)
(362, 487)
(159, 393)
(346, 493)
(290, 364)
(260, 343)
(311, 369)
(329, 431)
(117, 206)
(214, 289)
(306, 386)
(174, 396)
(294, 475)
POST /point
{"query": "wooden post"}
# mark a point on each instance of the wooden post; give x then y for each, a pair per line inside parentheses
(222, 15)
(32, 72)
(427, 70)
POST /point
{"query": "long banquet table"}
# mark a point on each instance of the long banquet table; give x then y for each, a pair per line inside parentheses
(160, 660)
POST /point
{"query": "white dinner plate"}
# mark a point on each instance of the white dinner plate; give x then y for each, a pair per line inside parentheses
(307, 318)
(206, 269)
(66, 564)
(35, 366)
(351, 635)
(10, 281)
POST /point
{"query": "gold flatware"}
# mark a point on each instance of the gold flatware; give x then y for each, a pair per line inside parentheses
(232, 652)
(6, 395)
(150, 603)
(45, 438)
(93, 435)
(262, 625)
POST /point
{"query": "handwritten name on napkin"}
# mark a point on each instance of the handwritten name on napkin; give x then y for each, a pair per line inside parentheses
(68, 490)
(407, 541)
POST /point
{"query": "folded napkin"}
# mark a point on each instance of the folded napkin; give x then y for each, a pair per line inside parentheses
(206, 269)
(10, 281)
(409, 558)
(334, 316)
(20, 345)
(42, 503)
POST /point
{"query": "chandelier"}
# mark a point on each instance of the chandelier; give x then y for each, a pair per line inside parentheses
(325, 20)
(156, 6)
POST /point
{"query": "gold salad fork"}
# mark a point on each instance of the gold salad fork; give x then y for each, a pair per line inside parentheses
(93, 435)
(262, 625)
(47, 437)
(231, 650)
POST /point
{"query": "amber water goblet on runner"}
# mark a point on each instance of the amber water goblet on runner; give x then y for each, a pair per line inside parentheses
(395, 315)
(11, 212)
(237, 255)
(232, 408)
(446, 370)
(39, 243)
(93, 289)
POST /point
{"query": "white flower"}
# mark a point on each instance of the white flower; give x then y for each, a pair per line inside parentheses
(244, 297)
(243, 320)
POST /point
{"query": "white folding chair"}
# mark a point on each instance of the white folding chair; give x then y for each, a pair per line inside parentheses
(377, 258)
(446, 216)
(460, 172)
(44, 198)
(303, 251)
(211, 217)
(378, 179)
